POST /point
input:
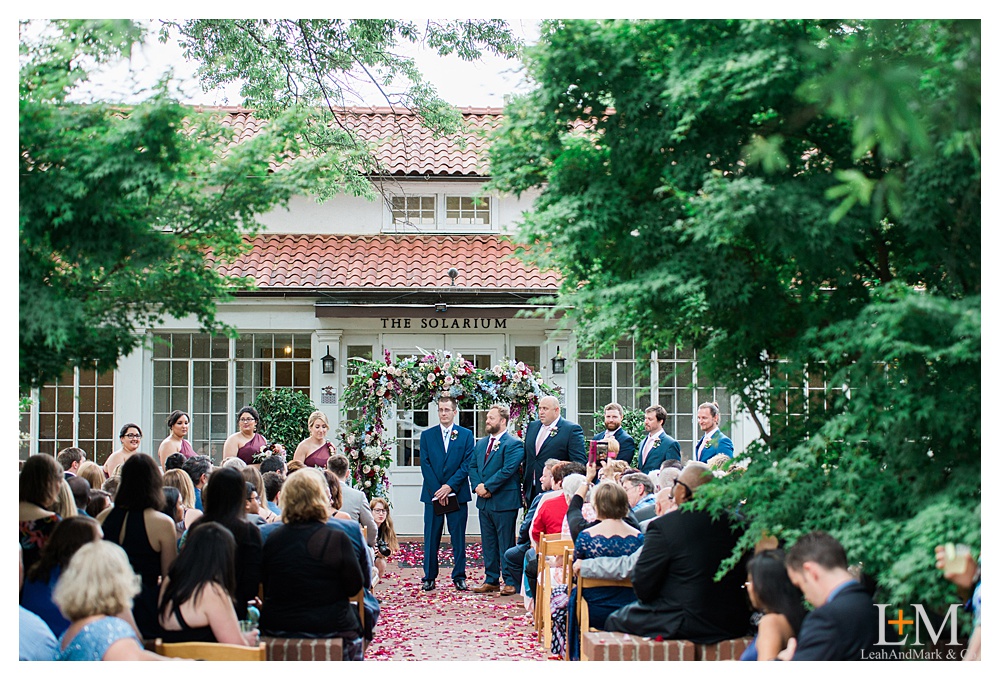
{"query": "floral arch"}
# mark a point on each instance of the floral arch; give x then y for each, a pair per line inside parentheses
(379, 386)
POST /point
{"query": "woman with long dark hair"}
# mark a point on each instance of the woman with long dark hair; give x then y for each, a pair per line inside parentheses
(39, 485)
(196, 600)
(772, 594)
(147, 536)
(69, 536)
(178, 425)
(225, 502)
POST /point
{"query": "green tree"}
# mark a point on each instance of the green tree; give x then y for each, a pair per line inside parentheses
(120, 208)
(284, 417)
(800, 202)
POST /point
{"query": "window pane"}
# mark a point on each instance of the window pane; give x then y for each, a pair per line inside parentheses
(244, 347)
(301, 373)
(200, 344)
(88, 399)
(282, 374)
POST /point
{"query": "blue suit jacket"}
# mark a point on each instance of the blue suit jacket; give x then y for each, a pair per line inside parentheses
(667, 449)
(566, 444)
(499, 473)
(842, 629)
(451, 468)
(625, 443)
(720, 443)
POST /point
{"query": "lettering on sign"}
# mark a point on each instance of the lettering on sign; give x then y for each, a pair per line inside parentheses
(465, 324)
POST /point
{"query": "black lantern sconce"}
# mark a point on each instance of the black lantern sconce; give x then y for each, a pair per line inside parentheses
(558, 363)
(329, 363)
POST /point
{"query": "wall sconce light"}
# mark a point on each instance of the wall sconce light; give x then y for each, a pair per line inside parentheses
(558, 363)
(329, 363)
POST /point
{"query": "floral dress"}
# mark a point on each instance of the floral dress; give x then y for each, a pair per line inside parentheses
(600, 601)
(34, 534)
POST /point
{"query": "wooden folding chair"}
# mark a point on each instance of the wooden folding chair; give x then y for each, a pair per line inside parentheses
(583, 613)
(359, 599)
(210, 651)
(547, 547)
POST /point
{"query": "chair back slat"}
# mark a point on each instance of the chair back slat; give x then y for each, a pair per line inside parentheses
(210, 651)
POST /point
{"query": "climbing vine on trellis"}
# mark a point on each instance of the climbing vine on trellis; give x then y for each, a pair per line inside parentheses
(381, 385)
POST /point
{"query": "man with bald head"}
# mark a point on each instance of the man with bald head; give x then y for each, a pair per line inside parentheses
(674, 576)
(551, 436)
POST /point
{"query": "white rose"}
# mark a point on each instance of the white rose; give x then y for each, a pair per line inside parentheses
(367, 483)
(430, 378)
(520, 365)
(497, 371)
(448, 380)
(366, 469)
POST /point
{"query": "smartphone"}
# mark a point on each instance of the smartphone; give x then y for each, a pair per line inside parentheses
(602, 452)
(592, 455)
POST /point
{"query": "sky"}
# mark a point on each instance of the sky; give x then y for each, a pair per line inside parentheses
(480, 83)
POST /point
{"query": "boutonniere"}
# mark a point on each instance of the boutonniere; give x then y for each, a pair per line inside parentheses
(710, 442)
(454, 434)
(553, 431)
(656, 442)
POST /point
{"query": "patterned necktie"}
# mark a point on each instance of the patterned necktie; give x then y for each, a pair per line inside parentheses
(489, 449)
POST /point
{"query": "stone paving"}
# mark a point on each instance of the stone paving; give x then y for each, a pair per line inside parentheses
(445, 624)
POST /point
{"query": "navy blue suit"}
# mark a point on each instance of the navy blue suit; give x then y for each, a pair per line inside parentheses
(667, 449)
(498, 513)
(719, 443)
(844, 629)
(565, 443)
(452, 468)
(626, 444)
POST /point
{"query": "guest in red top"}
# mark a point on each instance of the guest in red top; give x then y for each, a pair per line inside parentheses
(316, 448)
(552, 508)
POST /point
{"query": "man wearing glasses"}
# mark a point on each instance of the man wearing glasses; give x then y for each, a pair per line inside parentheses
(445, 453)
(674, 574)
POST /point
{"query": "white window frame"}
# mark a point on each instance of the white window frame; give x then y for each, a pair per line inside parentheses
(441, 194)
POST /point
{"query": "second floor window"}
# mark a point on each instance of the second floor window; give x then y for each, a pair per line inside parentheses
(442, 212)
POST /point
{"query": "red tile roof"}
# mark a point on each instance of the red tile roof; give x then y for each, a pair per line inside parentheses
(403, 147)
(309, 261)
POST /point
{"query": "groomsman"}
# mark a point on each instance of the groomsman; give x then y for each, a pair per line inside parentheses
(551, 436)
(613, 414)
(493, 474)
(712, 441)
(445, 454)
(657, 446)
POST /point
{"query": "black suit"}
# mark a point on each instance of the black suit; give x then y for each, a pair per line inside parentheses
(841, 629)
(673, 580)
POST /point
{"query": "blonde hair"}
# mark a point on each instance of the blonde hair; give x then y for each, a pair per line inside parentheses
(317, 415)
(65, 505)
(92, 472)
(97, 580)
(614, 470)
(305, 497)
(234, 462)
(181, 481)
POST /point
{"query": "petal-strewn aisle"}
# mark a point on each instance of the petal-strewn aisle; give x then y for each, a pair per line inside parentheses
(445, 624)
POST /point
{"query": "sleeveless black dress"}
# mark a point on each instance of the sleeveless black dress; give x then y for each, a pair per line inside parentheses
(145, 561)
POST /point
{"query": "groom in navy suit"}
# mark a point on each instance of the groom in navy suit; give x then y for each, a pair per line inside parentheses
(657, 446)
(445, 453)
(494, 477)
(551, 436)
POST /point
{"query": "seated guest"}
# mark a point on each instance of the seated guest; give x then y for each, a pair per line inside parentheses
(386, 542)
(69, 536)
(148, 537)
(175, 461)
(196, 599)
(93, 473)
(198, 468)
(513, 558)
(38, 484)
(65, 505)
(80, 488)
(233, 462)
(844, 626)
(274, 463)
(352, 501)
(98, 501)
(253, 505)
(548, 520)
(677, 595)
(611, 536)
(772, 594)
(613, 471)
(253, 475)
(35, 639)
(581, 515)
(310, 570)
(173, 509)
(180, 480)
(71, 458)
(639, 488)
(336, 499)
(95, 589)
(272, 489)
(225, 503)
(110, 487)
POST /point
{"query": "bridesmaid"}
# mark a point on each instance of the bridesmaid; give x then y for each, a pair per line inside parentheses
(247, 443)
(178, 424)
(315, 449)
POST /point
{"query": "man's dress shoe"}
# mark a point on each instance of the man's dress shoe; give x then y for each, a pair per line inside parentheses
(486, 588)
